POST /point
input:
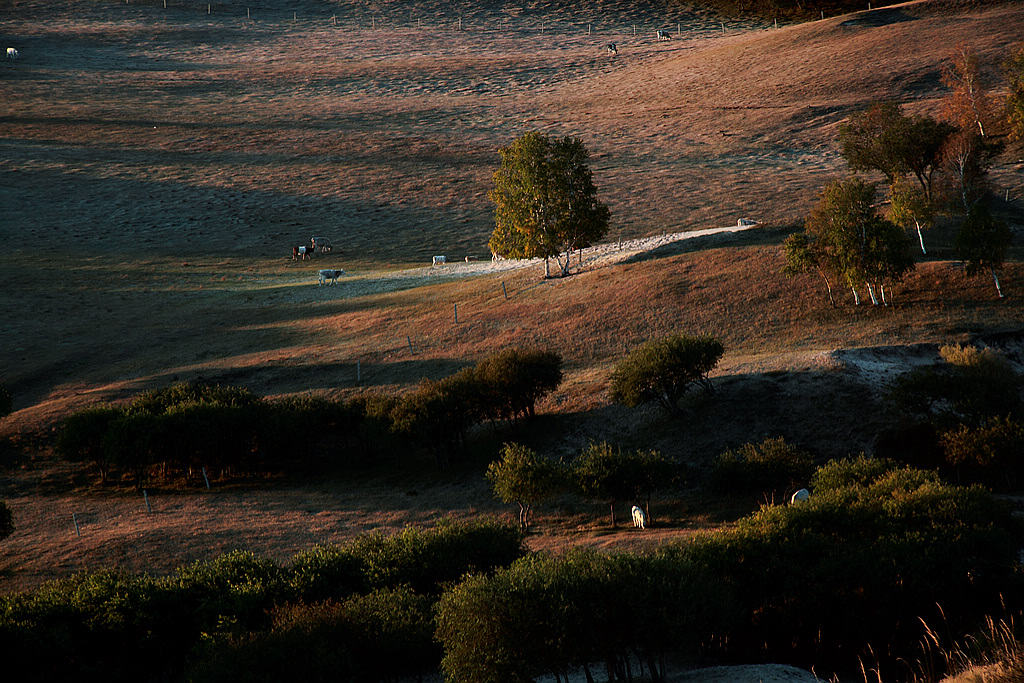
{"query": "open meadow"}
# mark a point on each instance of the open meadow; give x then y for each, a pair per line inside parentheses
(157, 166)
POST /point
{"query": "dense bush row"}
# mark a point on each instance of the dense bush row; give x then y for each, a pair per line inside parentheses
(110, 626)
(183, 428)
(812, 584)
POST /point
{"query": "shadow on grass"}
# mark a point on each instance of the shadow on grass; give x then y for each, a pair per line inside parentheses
(747, 238)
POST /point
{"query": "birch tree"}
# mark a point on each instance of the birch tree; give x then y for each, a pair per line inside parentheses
(545, 201)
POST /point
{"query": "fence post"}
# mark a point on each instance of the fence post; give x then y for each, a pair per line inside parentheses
(503, 290)
(359, 372)
(456, 313)
(409, 340)
(145, 497)
(74, 515)
(206, 479)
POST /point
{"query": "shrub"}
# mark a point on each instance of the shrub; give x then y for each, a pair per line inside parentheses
(772, 468)
(858, 471)
(992, 453)
(514, 380)
(970, 386)
(663, 369)
(813, 584)
(386, 635)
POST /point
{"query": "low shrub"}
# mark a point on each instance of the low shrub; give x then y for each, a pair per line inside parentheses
(772, 468)
(386, 635)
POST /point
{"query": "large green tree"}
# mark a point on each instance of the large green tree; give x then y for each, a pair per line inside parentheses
(662, 370)
(852, 241)
(545, 201)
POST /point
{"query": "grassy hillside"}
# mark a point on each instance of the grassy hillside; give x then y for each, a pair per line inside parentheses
(157, 167)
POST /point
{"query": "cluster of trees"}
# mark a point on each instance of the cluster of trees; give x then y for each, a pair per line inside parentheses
(818, 584)
(189, 428)
(601, 472)
(932, 167)
(358, 612)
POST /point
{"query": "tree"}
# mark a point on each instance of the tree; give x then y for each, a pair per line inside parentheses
(804, 254)
(604, 473)
(983, 242)
(523, 478)
(911, 208)
(1013, 69)
(969, 106)
(882, 138)
(513, 380)
(662, 370)
(853, 241)
(545, 200)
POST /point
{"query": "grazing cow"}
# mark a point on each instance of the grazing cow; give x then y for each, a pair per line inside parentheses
(439, 261)
(639, 517)
(744, 222)
(470, 258)
(331, 275)
(321, 243)
(664, 35)
(495, 256)
(800, 496)
(611, 49)
(12, 54)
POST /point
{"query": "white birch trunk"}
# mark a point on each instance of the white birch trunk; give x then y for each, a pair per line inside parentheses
(856, 296)
(881, 290)
(920, 238)
(871, 293)
(996, 278)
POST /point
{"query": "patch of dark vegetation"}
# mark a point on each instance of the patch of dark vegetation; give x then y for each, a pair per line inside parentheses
(193, 430)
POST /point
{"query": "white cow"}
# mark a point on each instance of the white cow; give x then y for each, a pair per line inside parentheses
(800, 496)
(639, 517)
(664, 35)
(12, 54)
(439, 261)
(331, 275)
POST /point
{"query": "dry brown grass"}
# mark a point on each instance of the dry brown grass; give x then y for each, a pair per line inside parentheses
(156, 169)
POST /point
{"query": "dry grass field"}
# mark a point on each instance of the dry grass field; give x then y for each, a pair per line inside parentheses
(156, 167)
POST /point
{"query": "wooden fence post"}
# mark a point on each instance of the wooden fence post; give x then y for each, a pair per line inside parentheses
(503, 290)
(206, 479)
(456, 313)
(145, 497)
(74, 515)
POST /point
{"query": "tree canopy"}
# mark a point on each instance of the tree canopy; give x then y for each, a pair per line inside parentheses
(545, 200)
(524, 478)
(663, 369)
(846, 236)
